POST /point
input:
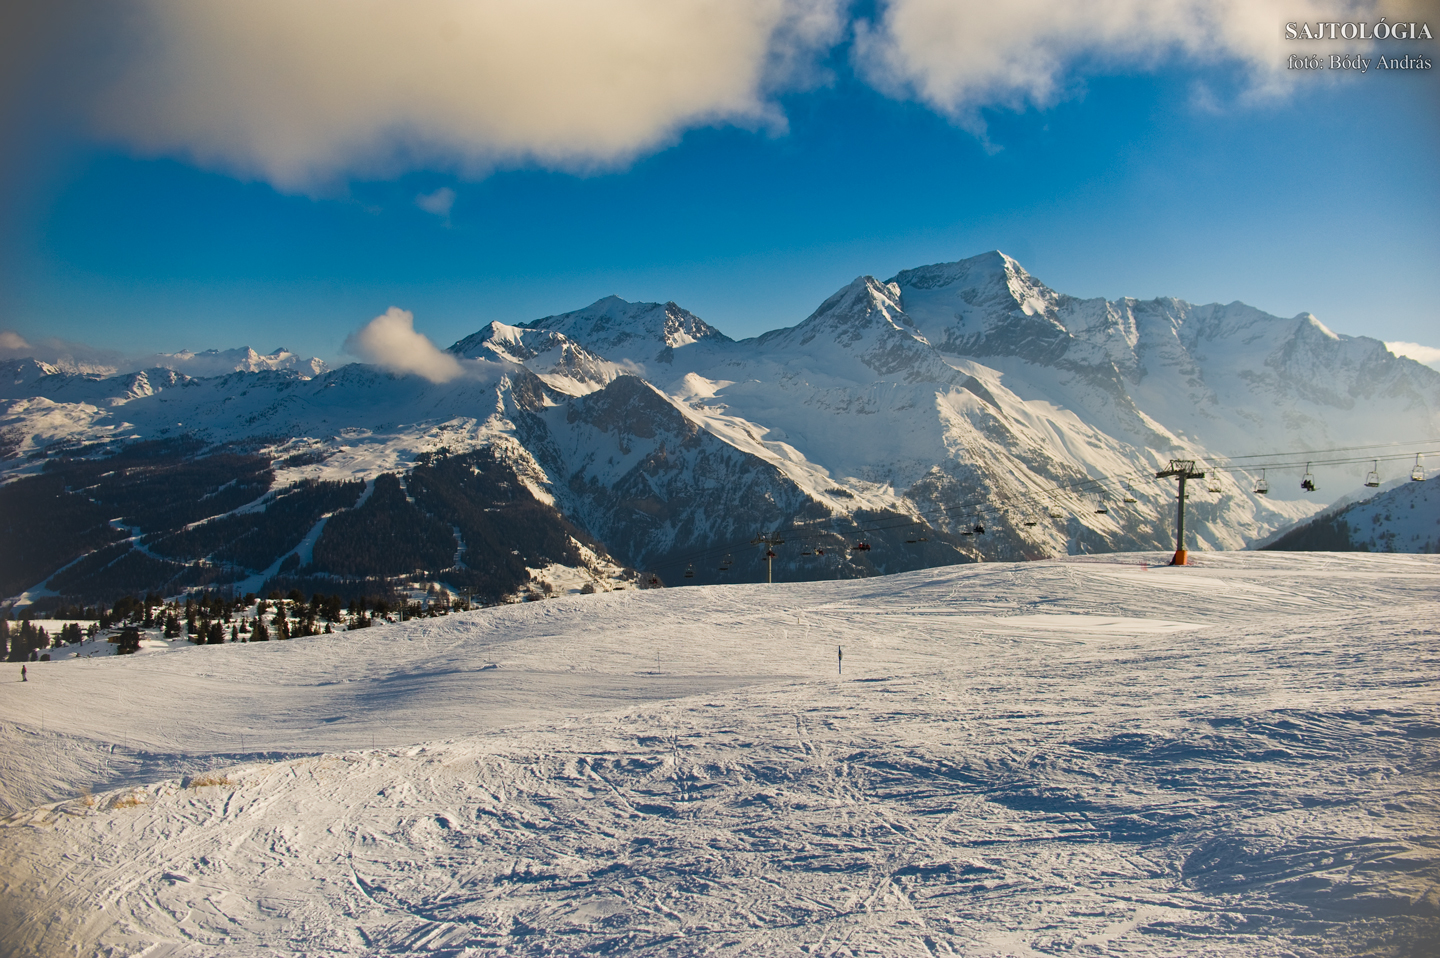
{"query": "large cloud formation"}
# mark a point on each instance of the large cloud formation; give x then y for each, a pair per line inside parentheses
(301, 92)
(306, 94)
(960, 57)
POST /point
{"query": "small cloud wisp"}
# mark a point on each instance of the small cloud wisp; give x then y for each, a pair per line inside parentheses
(390, 340)
(438, 203)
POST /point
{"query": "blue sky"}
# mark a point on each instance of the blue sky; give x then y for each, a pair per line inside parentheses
(1114, 168)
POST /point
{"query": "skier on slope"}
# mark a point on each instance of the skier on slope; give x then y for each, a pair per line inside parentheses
(23, 676)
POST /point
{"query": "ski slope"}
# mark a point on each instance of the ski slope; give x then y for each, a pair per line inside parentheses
(1095, 755)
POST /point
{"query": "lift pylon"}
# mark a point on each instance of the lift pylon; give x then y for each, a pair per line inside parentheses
(1181, 469)
(769, 541)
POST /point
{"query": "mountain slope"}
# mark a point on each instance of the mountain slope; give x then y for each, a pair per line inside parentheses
(1405, 518)
(959, 411)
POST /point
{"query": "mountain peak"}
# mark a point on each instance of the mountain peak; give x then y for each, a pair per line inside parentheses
(987, 270)
(619, 330)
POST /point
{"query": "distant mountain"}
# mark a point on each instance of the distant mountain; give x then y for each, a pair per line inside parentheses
(956, 412)
(1405, 518)
(218, 362)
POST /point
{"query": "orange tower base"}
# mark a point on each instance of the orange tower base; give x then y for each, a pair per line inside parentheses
(1181, 557)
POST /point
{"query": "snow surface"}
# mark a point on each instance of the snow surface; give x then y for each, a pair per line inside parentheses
(1096, 755)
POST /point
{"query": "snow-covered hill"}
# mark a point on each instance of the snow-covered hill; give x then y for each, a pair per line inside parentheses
(1404, 518)
(906, 414)
(1097, 755)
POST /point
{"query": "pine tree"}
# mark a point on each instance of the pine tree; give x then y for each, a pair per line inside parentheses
(259, 633)
(128, 642)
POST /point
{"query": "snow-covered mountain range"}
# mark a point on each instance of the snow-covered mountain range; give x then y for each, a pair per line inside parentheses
(908, 414)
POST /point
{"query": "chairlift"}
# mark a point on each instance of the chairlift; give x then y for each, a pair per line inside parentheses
(966, 532)
(861, 546)
(769, 553)
(1101, 509)
(725, 564)
(1372, 478)
(1055, 513)
(690, 572)
(979, 529)
(819, 551)
(1307, 482)
(1129, 498)
(1213, 483)
(806, 551)
(1262, 486)
(1418, 473)
(1029, 523)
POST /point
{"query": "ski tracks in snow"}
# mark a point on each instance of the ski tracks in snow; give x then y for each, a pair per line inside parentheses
(1059, 758)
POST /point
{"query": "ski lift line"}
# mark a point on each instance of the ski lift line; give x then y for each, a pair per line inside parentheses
(961, 513)
(994, 506)
(964, 512)
(1410, 443)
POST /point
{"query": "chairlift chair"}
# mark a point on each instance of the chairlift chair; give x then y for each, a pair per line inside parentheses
(690, 572)
(725, 564)
(861, 546)
(1307, 482)
(1372, 478)
(1101, 509)
(1129, 498)
(1262, 486)
(1055, 513)
(979, 529)
(1418, 473)
(1029, 523)
(1213, 483)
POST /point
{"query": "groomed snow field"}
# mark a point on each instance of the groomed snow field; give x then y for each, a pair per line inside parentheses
(1096, 755)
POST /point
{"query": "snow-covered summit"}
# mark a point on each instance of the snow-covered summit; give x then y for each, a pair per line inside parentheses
(560, 361)
(639, 332)
(862, 332)
(23, 372)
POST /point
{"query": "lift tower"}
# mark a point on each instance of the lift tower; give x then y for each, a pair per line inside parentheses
(769, 540)
(1181, 469)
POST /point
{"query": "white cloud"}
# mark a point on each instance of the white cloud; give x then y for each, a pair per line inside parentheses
(303, 93)
(1428, 355)
(390, 340)
(12, 342)
(438, 202)
(959, 56)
